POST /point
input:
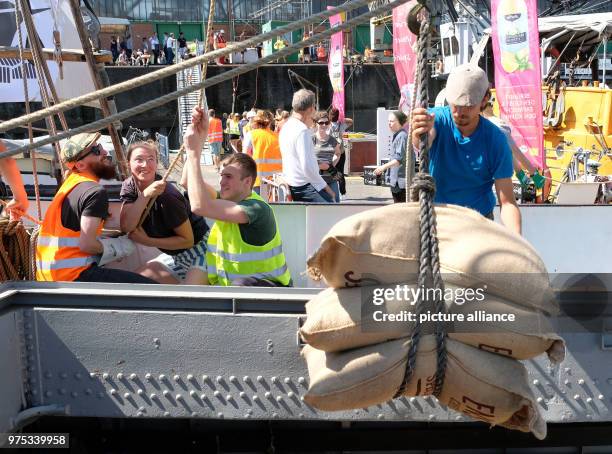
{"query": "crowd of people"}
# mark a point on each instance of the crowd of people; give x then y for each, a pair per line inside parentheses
(150, 50)
(469, 156)
(302, 148)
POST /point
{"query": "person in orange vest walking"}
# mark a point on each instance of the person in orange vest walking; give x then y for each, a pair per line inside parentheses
(69, 247)
(215, 137)
(262, 143)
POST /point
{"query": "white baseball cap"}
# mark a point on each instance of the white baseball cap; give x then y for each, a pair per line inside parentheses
(467, 85)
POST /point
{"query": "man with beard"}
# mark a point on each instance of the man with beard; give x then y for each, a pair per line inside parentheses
(468, 154)
(69, 247)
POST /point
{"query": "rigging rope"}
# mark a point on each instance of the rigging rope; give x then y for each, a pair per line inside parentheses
(422, 189)
(171, 70)
(26, 98)
(201, 97)
(44, 79)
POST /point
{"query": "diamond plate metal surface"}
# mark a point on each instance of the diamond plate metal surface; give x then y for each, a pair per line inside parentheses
(109, 363)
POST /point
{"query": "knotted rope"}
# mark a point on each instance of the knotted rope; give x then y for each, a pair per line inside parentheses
(423, 189)
(14, 252)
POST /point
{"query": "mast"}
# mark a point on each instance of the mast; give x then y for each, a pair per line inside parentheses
(96, 70)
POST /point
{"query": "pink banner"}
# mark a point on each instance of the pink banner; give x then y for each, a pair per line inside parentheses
(336, 64)
(404, 57)
(518, 82)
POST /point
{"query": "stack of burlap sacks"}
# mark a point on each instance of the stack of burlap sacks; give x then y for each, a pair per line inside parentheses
(355, 363)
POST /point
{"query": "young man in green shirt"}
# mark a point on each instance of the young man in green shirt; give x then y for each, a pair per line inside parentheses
(244, 244)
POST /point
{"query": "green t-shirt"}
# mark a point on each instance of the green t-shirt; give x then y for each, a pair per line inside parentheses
(261, 227)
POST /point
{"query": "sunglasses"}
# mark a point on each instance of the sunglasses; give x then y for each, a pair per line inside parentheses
(323, 122)
(96, 150)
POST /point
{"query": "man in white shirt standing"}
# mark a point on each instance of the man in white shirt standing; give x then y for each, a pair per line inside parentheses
(154, 41)
(300, 167)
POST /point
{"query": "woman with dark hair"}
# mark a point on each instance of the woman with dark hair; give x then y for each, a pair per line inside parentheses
(327, 149)
(336, 130)
(397, 157)
(170, 226)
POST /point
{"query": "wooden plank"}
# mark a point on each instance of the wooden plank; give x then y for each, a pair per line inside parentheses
(67, 54)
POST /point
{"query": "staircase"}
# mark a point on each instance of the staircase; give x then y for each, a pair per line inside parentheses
(185, 78)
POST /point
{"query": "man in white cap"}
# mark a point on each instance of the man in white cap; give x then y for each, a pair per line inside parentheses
(69, 247)
(469, 154)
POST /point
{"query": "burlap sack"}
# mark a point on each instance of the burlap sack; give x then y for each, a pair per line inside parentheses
(484, 386)
(382, 246)
(341, 319)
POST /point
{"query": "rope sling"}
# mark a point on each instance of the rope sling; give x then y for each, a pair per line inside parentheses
(422, 189)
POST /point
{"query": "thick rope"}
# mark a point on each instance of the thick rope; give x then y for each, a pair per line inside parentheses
(410, 156)
(14, 251)
(423, 185)
(201, 95)
(109, 91)
(43, 77)
(26, 98)
(33, 244)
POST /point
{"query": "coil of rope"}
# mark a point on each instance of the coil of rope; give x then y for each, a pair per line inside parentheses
(159, 74)
(422, 190)
(15, 262)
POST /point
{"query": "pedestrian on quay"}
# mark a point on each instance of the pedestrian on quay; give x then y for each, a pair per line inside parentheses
(114, 48)
(154, 42)
(182, 43)
(215, 137)
(328, 152)
(170, 43)
(337, 129)
(300, 167)
(129, 45)
(397, 157)
(262, 143)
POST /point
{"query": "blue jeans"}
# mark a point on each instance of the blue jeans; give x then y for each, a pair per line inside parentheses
(335, 186)
(307, 193)
(169, 56)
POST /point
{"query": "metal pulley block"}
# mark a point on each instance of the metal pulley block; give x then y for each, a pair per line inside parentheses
(415, 16)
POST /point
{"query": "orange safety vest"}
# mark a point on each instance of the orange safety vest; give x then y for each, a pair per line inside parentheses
(321, 53)
(58, 255)
(215, 130)
(266, 153)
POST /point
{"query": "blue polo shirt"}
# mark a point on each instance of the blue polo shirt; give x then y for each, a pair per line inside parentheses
(465, 167)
